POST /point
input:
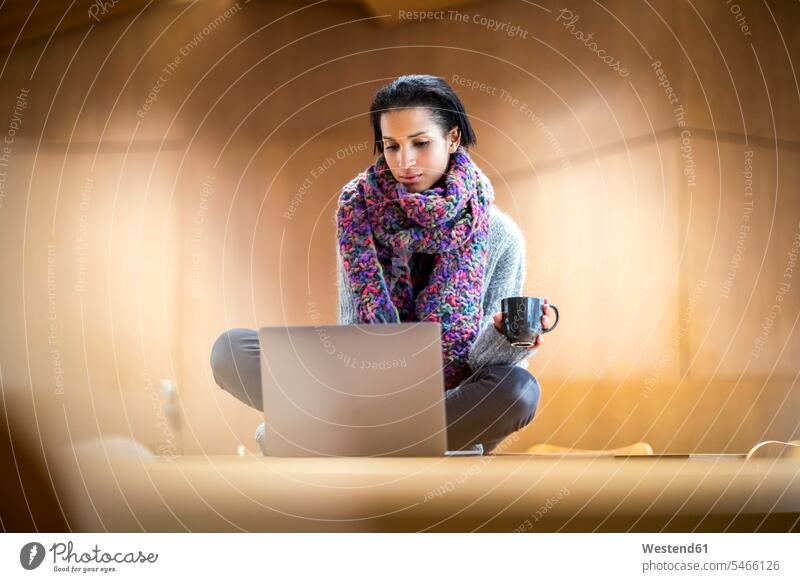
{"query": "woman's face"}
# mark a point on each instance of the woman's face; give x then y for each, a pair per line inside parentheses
(416, 148)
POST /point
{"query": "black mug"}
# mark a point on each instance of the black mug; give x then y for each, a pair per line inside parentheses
(522, 319)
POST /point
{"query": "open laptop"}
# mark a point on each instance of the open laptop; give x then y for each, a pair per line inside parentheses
(354, 390)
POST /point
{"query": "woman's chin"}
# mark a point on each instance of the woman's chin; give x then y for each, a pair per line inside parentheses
(418, 187)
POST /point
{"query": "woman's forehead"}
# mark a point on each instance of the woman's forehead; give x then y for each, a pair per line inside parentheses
(406, 123)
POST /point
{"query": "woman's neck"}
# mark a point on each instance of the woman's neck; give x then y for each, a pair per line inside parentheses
(442, 181)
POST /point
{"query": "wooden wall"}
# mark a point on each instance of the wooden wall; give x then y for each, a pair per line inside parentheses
(131, 238)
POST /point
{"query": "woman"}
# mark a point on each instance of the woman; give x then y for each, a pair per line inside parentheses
(419, 239)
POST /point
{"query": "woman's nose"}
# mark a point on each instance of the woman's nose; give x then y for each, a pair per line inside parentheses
(406, 160)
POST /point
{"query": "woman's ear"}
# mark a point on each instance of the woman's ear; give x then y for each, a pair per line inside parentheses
(453, 140)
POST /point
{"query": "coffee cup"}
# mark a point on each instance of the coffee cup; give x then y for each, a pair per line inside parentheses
(522, 319)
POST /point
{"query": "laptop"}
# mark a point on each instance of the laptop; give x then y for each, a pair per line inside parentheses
(354, 390)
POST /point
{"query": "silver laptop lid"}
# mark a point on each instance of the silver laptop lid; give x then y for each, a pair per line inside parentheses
(353, 390)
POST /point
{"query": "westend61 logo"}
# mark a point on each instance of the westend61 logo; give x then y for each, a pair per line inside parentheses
(65, 559)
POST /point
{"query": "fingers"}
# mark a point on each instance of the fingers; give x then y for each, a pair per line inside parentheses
(547, 312)
(498, 320)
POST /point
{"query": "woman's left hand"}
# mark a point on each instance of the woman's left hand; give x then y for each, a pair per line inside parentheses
(547, 312)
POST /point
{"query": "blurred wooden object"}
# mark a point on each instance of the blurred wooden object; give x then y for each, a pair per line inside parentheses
(29, 497)
(634, 449)
(491, 493)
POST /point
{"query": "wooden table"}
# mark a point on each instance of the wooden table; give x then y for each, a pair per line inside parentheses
(501, 493)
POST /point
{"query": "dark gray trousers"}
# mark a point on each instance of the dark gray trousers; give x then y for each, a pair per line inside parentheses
(492, 403)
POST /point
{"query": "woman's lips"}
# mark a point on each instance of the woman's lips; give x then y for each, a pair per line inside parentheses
(411, 179)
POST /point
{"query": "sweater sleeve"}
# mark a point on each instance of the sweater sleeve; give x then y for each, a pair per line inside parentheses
(491, 347)
(347, 309)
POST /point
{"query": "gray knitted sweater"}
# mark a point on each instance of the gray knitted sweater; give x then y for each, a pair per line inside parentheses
(505, 274)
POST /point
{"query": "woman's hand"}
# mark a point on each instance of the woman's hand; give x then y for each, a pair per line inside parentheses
(498, 322)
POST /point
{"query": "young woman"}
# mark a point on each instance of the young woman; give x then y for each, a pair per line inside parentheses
(419, 239)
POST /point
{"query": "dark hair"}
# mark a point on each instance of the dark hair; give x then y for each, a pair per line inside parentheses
(422, 91)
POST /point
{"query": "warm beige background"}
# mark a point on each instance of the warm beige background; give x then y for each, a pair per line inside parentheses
(176, 221)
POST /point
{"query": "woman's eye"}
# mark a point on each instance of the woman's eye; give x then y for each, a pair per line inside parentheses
(420, 144)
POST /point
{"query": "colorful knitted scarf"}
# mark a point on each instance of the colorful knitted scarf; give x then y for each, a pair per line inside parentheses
(380, 224)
